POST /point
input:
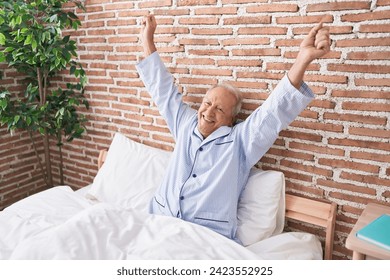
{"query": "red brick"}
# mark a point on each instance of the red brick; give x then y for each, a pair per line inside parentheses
(301, 135)
(304, 19)
(197, 81)
(318, 126)
(373, 82)
(260, 75)
(365, 42)
(256, 52)
(332, 30)
(195, 61)
(368, 55)
(212, 72)
(366, 16)
(346, 187)
(170, 12)
(245, 41)
(101, 15)
(243, 1)
(375, 28)
(316, 149)
(212, 31)
(337, 163)
(172, 30)
(247, 20)
(198, 42)
(195, 2)
(296, 176)
(262, 31)
(351, 198)
(120, 22)
(208, 52)
(382, 3)
(339, 6)
(381, 69)
(199, 20)
(306, 168)
(360, 143)
(370, 132)
(216, 11)
(271, 8)
(367, 179)
(250, 85)
(381, 107)
(331, 54)
(337, 79)
(371, 156)
(361, 94)
(355, 118)
(152, 4)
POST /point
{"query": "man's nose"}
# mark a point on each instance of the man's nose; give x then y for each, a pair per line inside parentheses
(210, 111)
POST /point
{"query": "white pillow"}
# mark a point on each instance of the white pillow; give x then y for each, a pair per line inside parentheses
(261, 207)
(130, 174)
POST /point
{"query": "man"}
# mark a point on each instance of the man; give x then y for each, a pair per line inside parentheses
(212, 156)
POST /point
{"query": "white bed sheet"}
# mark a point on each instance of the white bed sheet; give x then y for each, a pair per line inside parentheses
(62, 224)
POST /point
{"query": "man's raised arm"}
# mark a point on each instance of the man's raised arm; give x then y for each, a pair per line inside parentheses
(315, 45)
(147, 34)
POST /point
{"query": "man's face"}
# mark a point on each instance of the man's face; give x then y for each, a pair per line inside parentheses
(216, 110)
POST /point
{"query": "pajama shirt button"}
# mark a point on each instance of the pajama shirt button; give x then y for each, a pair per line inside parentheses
(194, 175)
(182, 197)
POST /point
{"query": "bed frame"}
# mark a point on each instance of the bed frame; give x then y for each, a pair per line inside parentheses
(319, 213)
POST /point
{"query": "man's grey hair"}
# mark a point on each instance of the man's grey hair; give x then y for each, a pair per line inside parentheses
(233, 90)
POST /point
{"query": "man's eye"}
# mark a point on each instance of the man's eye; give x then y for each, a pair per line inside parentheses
(220, 109)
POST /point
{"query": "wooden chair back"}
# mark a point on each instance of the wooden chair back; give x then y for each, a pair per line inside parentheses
(314, 212)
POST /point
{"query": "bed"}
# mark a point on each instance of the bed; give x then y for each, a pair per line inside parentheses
(109, 219)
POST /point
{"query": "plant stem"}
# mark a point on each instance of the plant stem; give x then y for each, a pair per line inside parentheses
(44, 174)
(42, 98)
(47, 159)
(61, 159)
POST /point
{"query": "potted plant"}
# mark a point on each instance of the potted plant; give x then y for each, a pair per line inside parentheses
(32, 43)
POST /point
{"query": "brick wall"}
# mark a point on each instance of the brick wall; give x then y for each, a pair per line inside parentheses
(337, 149)
(20, 175)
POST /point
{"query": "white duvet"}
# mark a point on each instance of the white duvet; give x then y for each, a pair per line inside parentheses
(37, 228)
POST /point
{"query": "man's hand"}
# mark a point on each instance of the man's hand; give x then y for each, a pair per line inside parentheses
(316, 44)
(147, 34)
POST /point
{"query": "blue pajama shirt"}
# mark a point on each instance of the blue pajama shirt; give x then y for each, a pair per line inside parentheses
(205, 177)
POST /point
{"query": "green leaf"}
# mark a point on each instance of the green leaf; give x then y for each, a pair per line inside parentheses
(72, 69)
(2, 39)
(9, 49)
(53, 18)
(18, 20)
(72, 15)
(28, 40)
(16, 119)
(34, 45)
(66, 39)
(3, 104)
